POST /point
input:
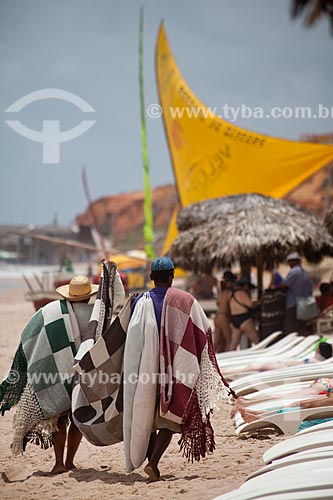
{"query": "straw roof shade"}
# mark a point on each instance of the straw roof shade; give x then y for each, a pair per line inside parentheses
(218, 232)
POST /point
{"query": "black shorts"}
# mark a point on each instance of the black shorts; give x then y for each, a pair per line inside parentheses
(238, 319)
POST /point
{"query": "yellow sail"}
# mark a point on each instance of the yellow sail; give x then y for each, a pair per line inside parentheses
(212, 157)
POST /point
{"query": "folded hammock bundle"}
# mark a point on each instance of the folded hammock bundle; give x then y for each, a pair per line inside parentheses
(97, 399)
(40, 381)
(107, 410)
(191, 382)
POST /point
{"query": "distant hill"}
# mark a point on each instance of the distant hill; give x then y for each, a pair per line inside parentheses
(316, 193)
(121, 217)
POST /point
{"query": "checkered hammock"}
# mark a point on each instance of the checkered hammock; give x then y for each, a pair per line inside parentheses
(40, 381)
(97, 403)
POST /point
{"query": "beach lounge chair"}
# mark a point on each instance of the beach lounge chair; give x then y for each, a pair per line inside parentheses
(309, 480)
(318, 427)
(316, 454)
(299, 442)
(261, 347)
(305, 348)
(282, 389)
(255, 356)
(272, 406)
(261, 380)
(286, 422)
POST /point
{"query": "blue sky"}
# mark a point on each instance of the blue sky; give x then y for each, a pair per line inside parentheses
(244, 52)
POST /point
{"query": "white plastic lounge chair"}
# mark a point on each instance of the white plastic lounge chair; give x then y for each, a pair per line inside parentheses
(318, 427)
(261, 380)
(322, 494)
(287, 474)
(287, 422)
(260, 347)
(294, 482)
(292, 353)
(260, 357)
(297, 443)
(278, 389)
(289, 495)
(293, 350)
(280, 373)
(273, 406)
(256, 347)
(316, 454)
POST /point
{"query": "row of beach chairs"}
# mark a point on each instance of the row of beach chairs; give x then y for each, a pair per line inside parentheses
(299, 467)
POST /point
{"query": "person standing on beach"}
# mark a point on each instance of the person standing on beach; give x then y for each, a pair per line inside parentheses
(222, 327)
(176, 324)
(76, 293)
(298, 284)
(43, 367)
(242, 310)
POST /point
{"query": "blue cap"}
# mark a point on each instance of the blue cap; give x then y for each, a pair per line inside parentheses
(162, 264)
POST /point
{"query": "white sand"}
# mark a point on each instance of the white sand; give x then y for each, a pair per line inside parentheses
(101, 473)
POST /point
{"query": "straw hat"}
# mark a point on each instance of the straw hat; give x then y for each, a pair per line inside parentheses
(79, 288)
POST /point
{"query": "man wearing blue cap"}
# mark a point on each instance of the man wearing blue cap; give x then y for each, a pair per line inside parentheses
(162, 274)
(169, 336)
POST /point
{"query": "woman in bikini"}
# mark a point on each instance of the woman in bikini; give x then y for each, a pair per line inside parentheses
(320, 387)
(242, 309)
(222, 328)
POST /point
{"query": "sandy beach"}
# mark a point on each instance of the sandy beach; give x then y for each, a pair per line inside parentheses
(101, 473)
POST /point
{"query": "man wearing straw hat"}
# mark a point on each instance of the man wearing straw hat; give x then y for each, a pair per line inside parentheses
(40, 381)
(78, 292)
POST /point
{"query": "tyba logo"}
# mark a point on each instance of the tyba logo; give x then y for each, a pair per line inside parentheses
(51, 137)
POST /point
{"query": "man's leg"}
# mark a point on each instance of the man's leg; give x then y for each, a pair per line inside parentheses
(162, 441)
(291, 323)
(59, 446)
(151, 445)
(73, 441)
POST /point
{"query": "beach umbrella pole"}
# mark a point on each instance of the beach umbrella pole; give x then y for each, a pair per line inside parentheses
(260, 274)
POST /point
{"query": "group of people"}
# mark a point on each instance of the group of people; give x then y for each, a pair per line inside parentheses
(236, 310)
(316, 394)
(235, 314)
(171, 319)
(176, 330)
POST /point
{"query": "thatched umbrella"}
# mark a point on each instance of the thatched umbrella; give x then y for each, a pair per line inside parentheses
(249, 227)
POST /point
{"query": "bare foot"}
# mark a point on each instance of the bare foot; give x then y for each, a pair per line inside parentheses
(249, 416)
(70, 467)
(240, 403)
(152, 472)
(58, 469)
